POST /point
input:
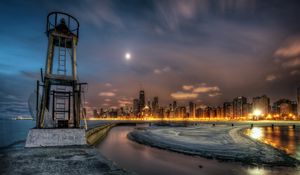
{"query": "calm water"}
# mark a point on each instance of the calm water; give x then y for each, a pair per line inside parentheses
(13, 132)
(146, 160)
(285, 138)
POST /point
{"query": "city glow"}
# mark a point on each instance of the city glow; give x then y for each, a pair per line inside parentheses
(257, 112)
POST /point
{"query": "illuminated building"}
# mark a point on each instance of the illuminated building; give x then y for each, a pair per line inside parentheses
(155, 106)
(182, 112)
(207, 112)
(136, 107)
(285, 109)
(294, 108)
(141, 100)
(199, 112)
(247, 109)
(212, 113)
(282, 107)
(238, 103)
(174, 105)
(262, 103)
(228, 109)
(219, 112)
(191, 109)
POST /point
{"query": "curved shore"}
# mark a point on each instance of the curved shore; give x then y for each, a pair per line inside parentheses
(223, 143)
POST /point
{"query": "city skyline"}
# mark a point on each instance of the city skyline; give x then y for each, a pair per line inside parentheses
(203, 50)
(239, 108)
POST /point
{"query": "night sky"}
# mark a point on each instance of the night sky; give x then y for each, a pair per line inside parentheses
(207, 51)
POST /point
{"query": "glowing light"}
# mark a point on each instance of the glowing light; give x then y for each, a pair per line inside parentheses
(128, 56)
(257, 112)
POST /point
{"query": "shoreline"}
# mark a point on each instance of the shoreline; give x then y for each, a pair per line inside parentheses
(290, 161)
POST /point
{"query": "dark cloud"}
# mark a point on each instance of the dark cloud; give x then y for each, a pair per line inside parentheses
(247, 47)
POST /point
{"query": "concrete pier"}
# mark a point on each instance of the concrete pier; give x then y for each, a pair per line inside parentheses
(55, 137)
(71, 160)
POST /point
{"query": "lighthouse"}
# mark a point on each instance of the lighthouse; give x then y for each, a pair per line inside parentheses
(58, 95)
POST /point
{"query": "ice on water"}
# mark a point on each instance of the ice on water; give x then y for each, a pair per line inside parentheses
(220, 142)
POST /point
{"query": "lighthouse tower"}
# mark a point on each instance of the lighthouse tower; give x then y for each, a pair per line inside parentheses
(58, 105)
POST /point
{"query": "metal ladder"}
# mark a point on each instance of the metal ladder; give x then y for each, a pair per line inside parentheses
(62, 54)
(61, 99)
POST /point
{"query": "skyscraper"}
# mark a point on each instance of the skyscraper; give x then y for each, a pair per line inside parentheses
(261, 103)
(298, 101)
(192, 109)
(238, 104)
(174, 105)
(136, 107)
(155, 106)
(228, 109)
(141, 100)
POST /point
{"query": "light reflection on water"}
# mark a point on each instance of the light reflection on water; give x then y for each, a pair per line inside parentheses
(146, 160)
(285, 138)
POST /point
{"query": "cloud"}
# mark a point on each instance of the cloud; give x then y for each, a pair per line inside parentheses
(184, 95)
(214, 94)
(107, 94)
(108, 84)
(290, 49)
(124, 102)
(193, 91)
(157, 71)
(203, 88)
(294, 62)
(288, 55)
(271, 77)
(98, 13)
(163, 70)
(187, 87)
(107, 100)
(295, 72)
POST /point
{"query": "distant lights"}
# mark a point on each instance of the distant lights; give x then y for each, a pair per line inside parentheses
(257, 112)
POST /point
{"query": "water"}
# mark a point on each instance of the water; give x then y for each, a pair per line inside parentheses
(14, 131)
(285, 138)
(147, 160)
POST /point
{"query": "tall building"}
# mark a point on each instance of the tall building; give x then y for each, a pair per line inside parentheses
(261, 103)
(95, 113)
(298, 101)
(174, 105)
(238, 104)
(136, 107)
(219, 111)
(155, 106)
(282, 107)
(294, 108)
(285, 109)
(141, 100)
(199, 112)
(182, 111)
(276, 105)
(191, 109)
(228, 110)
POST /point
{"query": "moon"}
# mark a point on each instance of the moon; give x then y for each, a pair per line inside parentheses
(128, 56)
